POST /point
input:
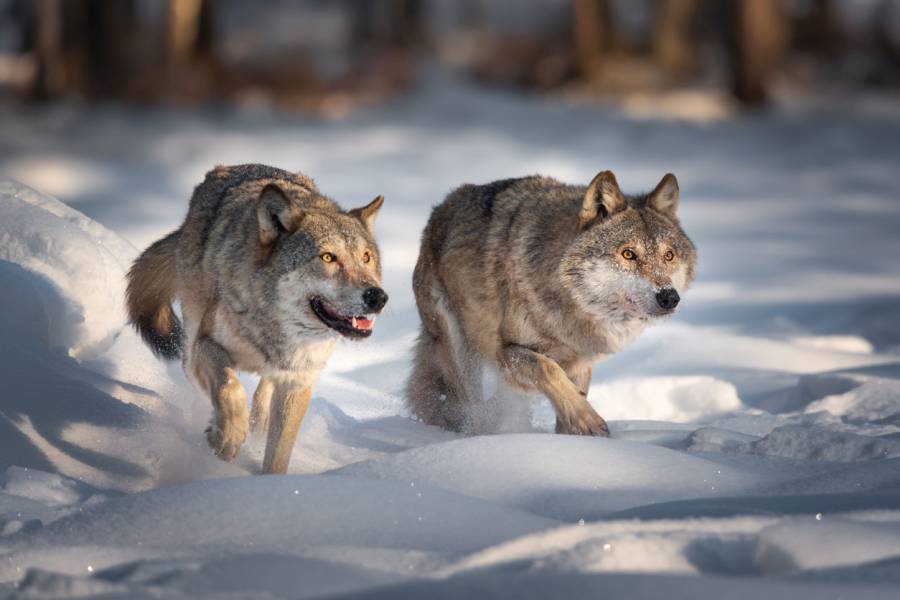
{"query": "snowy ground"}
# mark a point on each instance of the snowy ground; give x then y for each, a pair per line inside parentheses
(756, 435)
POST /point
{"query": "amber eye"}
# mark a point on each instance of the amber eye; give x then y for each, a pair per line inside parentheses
(670, 255)
(328, 257)
(367, 257)
(628, 254)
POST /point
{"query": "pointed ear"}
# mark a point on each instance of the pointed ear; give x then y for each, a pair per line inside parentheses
(367, 213)
(664, 198)
(274, 214)
(603, 197)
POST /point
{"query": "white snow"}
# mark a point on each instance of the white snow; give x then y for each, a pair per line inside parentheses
(679, 399)
(47, 488)
(772, 397)
(796, 544)
(80, 258)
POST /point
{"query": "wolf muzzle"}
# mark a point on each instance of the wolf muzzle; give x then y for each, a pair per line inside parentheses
(375, 298)
(667, 298)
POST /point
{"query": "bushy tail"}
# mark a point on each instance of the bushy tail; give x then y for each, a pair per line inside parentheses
(151, 287)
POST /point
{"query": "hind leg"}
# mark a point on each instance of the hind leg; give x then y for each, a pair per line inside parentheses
(211, 368)
(446, 376)
(430, 392)
(262, 399)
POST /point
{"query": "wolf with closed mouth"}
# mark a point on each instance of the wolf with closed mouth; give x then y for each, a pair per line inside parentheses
(538, 280)
(270, 273)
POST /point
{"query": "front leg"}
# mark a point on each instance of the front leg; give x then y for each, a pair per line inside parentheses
(289, 404)
(582, 380)
(211, 367)
(262, 399)
(528, 369)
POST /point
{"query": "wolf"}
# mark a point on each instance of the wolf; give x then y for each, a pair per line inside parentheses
(537, 280)
(270, 273)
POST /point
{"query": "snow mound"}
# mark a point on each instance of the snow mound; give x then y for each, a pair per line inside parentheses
(83, 397)
(537, 585)
(839, 343)
(83, 262)
(662, 546)
(387, 525)
(824, 541)
(678, 399)
(47, 488)
(873, 401)
(561, 477)
(797, 442)
(251, 575)
(823, 444)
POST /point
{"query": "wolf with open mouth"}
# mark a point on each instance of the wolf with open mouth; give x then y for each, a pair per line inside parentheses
(270, 274)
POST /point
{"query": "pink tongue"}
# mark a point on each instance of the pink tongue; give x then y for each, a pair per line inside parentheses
(362, 323)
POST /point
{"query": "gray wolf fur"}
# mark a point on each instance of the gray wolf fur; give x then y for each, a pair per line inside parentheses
(270, 273)
(538, 280)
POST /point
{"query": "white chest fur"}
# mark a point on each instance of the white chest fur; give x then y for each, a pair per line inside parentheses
(619, 332)
(304, 364)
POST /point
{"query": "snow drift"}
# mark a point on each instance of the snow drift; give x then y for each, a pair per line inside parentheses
(78, 267)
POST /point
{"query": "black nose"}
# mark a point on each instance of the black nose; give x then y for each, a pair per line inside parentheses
(375, 298)
(667, 298)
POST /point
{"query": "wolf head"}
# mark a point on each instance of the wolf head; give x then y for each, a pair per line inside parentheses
(326, 265)
(630, 257)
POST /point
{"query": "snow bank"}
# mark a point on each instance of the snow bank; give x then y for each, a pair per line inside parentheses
(538, 585)
(661, 546)
(563, 477)
(873, 401)
(827, 541)
(797, 442)
(82, 396)
(391, 526)
(678, 399)
(822, 444)
(47, 488)
(840, 343)
(82, 262)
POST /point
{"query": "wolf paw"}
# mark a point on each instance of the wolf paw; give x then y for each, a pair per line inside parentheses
(226, 441)
(583, 424)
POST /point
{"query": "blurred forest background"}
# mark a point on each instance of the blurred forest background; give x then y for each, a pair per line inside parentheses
(328, 57)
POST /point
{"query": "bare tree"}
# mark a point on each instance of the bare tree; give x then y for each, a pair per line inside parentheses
(758, 41)
(673, 48)
(589, 26)
(182, 30)
(51, 77)
(83, 47)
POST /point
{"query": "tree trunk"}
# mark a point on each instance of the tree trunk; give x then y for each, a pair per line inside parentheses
(182, 30)
(50, 79)
(107, 33)
(588, 29)
(672, 39)
(406, 22)
(758, 41)
(83, 47)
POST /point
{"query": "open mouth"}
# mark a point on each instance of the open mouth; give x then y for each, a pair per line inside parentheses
(352, 327)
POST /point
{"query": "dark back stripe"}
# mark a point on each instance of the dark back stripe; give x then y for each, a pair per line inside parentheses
(490, 191)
